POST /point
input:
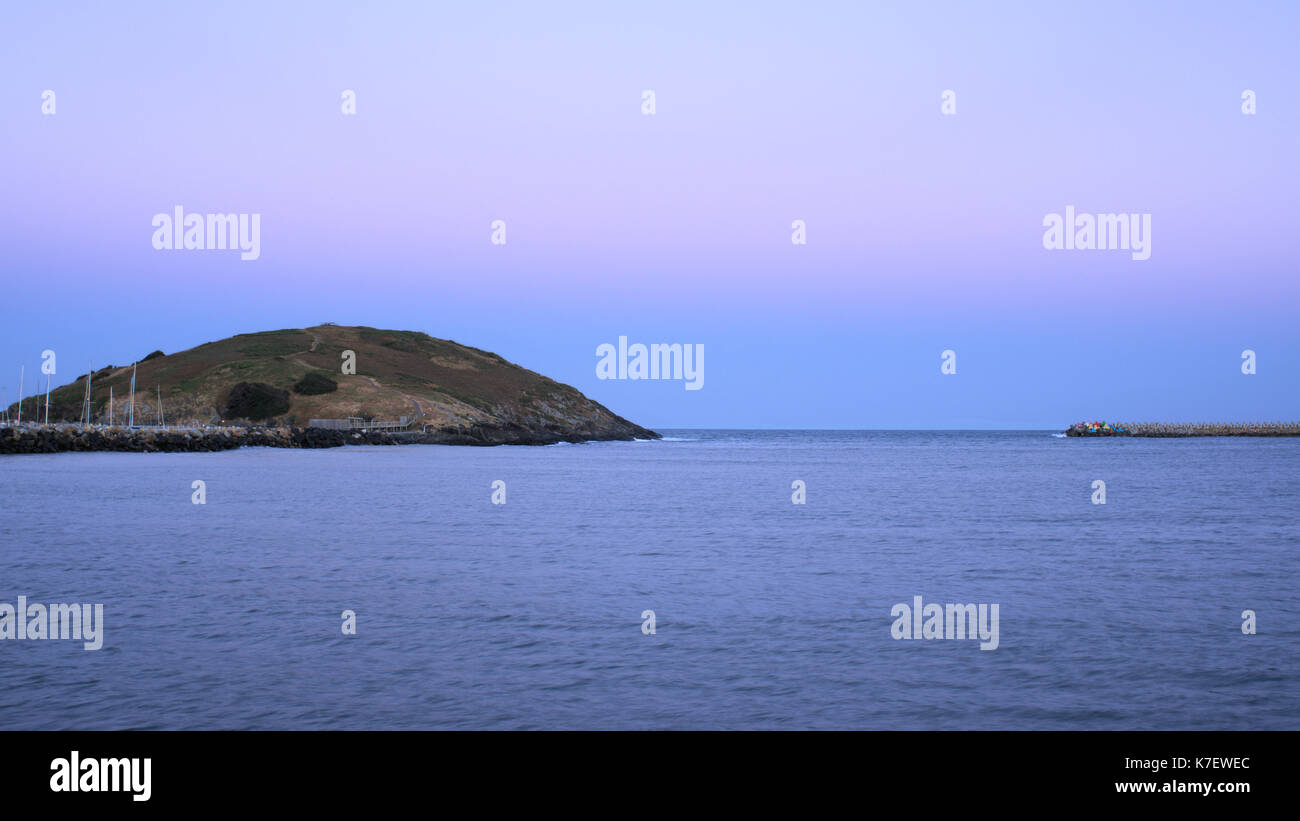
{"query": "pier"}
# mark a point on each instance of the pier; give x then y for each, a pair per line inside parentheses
(1160, 430)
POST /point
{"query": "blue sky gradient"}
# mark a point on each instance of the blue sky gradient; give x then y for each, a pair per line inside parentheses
(924, 230)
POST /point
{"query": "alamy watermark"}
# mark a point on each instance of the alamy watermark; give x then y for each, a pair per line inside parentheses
(77, 774)
(179, 231)
(951, 621)
(655, 361)
(1102, 232)
(78, 622)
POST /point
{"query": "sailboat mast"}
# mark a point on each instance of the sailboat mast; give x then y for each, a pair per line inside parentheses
(110, 406)
(21, 369)
(162, 419)
(47, 399)
(131, 421)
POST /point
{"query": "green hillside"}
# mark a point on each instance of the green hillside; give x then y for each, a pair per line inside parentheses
(290, 376)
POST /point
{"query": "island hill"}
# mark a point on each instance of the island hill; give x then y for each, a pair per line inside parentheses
(289, 388)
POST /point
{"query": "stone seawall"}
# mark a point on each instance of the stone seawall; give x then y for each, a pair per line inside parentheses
(1170, 430)
(52, 439)
(61, 438)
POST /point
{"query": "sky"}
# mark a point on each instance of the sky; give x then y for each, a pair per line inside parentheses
(924, 229)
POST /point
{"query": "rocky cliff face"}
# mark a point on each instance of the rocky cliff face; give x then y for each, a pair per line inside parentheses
(449, 393)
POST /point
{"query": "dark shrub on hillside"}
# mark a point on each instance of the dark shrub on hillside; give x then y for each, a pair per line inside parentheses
(315, 383)
(153, 355)
(255, 400)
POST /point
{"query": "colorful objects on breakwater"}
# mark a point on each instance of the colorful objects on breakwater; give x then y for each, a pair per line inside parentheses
(1182, 429)
(1097, 429)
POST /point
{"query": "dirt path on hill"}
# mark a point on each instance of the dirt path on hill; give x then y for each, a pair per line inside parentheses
(418, 411)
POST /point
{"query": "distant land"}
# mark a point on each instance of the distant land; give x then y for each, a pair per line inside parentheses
(447, 392)
(1176, 430)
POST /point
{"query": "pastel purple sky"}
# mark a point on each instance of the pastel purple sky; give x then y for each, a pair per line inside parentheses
(924, 230)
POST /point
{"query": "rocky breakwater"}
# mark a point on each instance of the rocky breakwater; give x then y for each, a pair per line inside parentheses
(59, 438)
(1169, 430)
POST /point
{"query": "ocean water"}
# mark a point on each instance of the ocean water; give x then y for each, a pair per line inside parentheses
(768, 615)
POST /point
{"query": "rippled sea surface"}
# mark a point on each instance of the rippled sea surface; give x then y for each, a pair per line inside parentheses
(769, 615)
